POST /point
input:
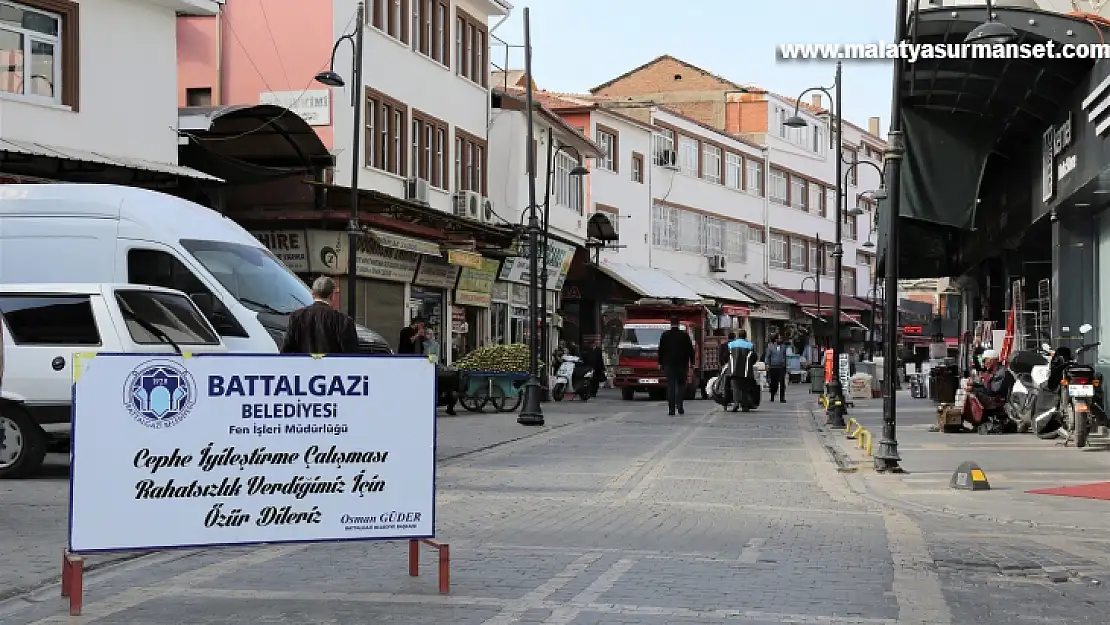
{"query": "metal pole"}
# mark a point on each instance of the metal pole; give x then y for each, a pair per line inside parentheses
(545, 338)
(817, 274)
(532, 412)
(836, 405)
(886, 457)
(354, 227)
(874, 300)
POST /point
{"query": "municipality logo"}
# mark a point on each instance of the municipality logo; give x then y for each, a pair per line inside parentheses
(159, 393)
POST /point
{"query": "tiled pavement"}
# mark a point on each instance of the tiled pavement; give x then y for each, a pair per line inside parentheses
(631, 518)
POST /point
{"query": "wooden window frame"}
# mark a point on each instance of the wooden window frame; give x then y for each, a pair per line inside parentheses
(70, 41)
(477, 146)
(380, 16)
(387, 107)
(616, 152)
(638, 159)
(853, 157)
(439, 165)
(442, 28)
(475, 37)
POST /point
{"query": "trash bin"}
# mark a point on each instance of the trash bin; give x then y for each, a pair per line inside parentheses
(816, 379)
(944, 382)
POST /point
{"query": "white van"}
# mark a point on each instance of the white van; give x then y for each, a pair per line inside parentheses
(42, 328)
(51, 233)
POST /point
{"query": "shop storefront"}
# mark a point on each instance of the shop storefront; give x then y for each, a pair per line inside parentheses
(471, 310)
(515, 272)
(429, 299)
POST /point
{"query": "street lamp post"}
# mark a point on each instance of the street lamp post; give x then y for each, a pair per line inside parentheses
(577, 172)
(532, 411)
(332, 79)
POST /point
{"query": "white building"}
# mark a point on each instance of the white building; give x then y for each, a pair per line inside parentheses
(74, 94)
(427, 97)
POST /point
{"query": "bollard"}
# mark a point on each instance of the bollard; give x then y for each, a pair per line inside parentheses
(73, 572)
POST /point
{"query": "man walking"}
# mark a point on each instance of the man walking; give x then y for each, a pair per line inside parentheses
(741, 370)
(676, 354)
(775, 359)
(319, 328)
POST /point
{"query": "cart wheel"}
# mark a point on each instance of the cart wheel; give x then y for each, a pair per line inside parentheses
(476, 402)
(500, 401)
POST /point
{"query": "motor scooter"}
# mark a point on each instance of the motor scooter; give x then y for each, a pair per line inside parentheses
(1030, 370)
(574, 376)
(1079, 405)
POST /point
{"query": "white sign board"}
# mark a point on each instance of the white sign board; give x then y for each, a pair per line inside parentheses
(844, 365)
(314, 105)
(231, 450)
(288, 246)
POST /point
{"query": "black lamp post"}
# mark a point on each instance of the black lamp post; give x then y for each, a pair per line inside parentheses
(836, 404)
(989, 32)
(532, 412)
(577, 172)
(332, 79)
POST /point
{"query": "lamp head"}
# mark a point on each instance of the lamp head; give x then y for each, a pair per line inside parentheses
(991, 32)
(880, 193)
(330, 79)
(855, 211)
(868, 244)
(795, 121)
(579, 171)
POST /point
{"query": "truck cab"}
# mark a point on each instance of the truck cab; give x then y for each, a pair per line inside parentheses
(638, 350)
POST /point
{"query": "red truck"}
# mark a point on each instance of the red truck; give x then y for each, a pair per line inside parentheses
(638, 351)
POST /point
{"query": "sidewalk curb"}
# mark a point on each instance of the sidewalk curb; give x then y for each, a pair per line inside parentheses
(853, 473)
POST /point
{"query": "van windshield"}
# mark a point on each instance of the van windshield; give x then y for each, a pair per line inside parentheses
(252, 274)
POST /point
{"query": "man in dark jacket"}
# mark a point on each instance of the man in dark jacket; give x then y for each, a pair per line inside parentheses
(775, 359)
(595, 358)
(319, 328)
(741, 369)
(722, 351)
(411, 340)
(676, 354)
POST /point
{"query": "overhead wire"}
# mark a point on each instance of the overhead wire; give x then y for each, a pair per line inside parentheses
(271, 121)
(273, 41)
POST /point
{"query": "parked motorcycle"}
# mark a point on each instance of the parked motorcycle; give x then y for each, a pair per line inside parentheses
(574, 376)
(1030, 370)
(1073, 399)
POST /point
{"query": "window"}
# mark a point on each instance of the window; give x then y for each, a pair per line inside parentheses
(848, 281)
(385, 133)
(199, 96)
(863, 259)
(736, 241)
(458, 163)
(607, 139)
(776, 186)
(388, 16)
(816, 260)
(797, 254)
(852, 156)
(818, 140)
(714, 235)
(429, 20)
(755, 235)
(442, 49)
(568, 188)
(711, 163)
(429, 160)
(664, 227)
(688, 155)
(734, 171)
(829, 208)
(470, 45)
(778, 251)
(816, 196)
(798, 192)
(850, 227)
(637, 167)
(39, 39)
(663, 142)
(753, 178)
(252, 275)
(50, 320)
(175, 315)
(690, 231)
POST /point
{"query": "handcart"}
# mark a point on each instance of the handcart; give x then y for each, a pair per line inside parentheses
(794, 369)
(502, 390)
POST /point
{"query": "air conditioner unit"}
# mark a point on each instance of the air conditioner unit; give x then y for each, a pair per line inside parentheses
(717, 263)
(488, 217)
(668, 159)
(468, 204)
(416, 189)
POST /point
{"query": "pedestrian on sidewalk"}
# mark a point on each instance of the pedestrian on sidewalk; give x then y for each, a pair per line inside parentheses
(319, 328)
(676, 354)
(741, 368)
(775, 359)
(411, 339)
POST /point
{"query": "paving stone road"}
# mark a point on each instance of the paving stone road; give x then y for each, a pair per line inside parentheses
(627, 516)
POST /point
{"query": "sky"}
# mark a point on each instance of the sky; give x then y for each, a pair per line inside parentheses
(579, 44)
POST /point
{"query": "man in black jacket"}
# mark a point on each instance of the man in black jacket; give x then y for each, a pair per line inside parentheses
(319, 328)
(676, 354)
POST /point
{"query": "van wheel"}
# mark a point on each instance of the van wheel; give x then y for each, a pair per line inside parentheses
(24, 446)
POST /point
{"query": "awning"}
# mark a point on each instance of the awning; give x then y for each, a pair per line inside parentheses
(407, 244)
(759, 292)
(711, 288)
(30, 148)
(853, 318)
(648, 282)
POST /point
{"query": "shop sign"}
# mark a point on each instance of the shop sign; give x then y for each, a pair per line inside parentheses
(313, 106)
(476, 285)
(572, 292)
(735, 311)
(779, 312)
(434, 272)
(559, 256)
(500, 291)
(288, 246)
(463, 258)
(912, 329)
(1054, 141)
(328, 254)
(406, 244)
(519, 295)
